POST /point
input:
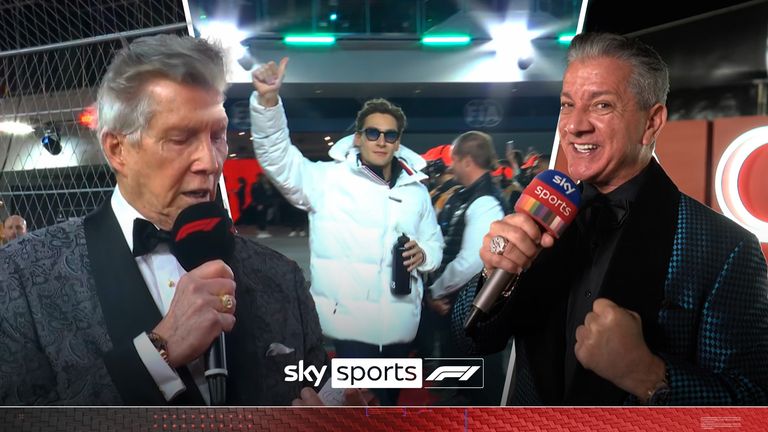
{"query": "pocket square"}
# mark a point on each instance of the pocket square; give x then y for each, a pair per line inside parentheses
(276, 348)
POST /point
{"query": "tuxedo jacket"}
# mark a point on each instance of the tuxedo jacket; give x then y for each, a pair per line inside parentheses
(698, 281)
(72, 299)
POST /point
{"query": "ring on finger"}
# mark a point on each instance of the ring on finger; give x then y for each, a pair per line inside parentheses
(227, 302)
(498, 245)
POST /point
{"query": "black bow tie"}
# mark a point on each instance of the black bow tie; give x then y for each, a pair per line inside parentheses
(610, 211)
(146, 237)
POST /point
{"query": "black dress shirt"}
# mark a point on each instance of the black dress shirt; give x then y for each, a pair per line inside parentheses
(600, 224)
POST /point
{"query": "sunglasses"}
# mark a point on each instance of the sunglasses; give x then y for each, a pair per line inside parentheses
(373, 134)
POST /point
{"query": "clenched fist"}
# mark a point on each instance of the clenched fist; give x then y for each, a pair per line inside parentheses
(611, 344)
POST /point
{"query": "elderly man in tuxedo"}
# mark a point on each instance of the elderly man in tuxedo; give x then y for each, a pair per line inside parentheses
(90, 316)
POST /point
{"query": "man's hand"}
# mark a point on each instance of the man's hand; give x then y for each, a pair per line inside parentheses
(611, 344)
(414, 255)
(352, 397)
(197, 314)
(525, 241)
(267, 80)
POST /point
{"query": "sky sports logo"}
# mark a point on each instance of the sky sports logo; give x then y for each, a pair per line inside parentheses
(448, 373)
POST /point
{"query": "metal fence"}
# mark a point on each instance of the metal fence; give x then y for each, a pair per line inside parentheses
(53, 54)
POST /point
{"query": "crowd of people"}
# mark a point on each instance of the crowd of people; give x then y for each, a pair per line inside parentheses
(648, 298)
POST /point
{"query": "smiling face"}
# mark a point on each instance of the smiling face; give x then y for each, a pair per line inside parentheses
(180, 155)
(378, 153)
(606, 137)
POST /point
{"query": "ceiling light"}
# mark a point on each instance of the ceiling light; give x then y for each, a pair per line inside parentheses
(309, 40)
(15, 128)
(446, 40)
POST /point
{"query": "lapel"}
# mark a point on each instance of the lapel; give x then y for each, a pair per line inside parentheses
(638, 269)
(127, 305)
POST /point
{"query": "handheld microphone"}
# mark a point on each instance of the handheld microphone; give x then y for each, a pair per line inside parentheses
(204, 232)
(552, 200)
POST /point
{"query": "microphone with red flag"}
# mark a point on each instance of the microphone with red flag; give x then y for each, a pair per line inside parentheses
(552, 200)
(204, 232)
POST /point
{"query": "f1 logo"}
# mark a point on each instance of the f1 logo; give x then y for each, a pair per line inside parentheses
(452, 373)
(463, 373)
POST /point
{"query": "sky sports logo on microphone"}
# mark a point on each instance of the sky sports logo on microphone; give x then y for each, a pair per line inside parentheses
(552, 199)
(369, 373)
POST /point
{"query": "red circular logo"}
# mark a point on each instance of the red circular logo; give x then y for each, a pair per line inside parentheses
(741, 186)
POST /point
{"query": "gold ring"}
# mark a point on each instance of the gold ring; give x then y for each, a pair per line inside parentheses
(498, 244)
(227, 301)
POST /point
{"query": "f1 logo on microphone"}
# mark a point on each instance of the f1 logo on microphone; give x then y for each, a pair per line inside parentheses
(193, 227)
(455, 373)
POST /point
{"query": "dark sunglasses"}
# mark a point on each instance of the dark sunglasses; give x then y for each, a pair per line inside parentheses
(373, 134)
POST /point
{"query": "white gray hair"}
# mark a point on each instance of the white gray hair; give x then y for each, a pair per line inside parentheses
(649, 81)
(124, 107)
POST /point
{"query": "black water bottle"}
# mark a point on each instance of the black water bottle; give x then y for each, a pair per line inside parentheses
(401, 278)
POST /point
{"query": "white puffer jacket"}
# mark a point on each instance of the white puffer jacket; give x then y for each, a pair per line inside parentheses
(355, 219)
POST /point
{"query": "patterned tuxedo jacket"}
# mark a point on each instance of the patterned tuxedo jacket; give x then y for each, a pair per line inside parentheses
(72, 299)
(698, 281)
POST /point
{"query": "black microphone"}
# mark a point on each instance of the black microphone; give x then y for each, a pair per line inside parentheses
(204, 232)
(552, 200)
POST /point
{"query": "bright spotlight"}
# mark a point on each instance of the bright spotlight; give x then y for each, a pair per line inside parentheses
(15, 128)
(512, 42)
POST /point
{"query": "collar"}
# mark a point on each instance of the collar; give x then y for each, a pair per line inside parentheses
(396, 168)
(125, 215)
(622, 197)
(480, 182)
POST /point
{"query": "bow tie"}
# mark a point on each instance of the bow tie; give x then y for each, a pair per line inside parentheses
(609, 211)
(146, 237)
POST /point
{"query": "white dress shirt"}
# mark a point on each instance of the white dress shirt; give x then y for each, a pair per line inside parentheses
(161, 272)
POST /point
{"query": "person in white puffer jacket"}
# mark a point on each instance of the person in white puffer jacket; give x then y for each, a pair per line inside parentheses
(358, 204)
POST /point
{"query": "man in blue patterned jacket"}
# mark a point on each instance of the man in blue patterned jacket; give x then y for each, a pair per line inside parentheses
(649, 297)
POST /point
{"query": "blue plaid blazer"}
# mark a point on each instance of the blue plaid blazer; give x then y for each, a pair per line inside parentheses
(698, 281)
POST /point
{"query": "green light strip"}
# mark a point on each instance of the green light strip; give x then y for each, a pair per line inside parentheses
(446, 40)
(309, 40)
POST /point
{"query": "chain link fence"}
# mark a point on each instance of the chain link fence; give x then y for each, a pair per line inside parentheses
(52, 57)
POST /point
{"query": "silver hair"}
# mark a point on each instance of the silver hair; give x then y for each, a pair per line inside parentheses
(649, 81)
(124, 107)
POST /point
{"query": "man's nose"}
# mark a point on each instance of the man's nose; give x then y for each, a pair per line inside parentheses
(577, 123)
(207, 158)
(380, 141)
